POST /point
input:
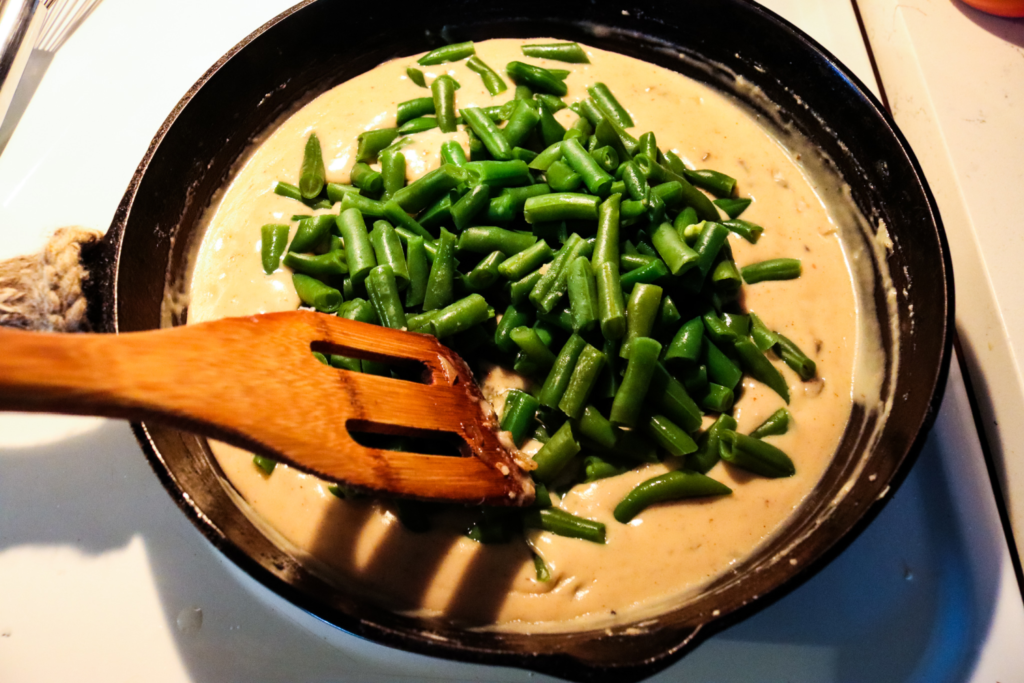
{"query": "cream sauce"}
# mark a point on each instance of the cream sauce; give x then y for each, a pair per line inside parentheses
(668, 551)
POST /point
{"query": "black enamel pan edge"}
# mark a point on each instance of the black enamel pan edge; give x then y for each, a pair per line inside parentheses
(394, 632)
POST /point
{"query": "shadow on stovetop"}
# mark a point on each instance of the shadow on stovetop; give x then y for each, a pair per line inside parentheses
(910, 600)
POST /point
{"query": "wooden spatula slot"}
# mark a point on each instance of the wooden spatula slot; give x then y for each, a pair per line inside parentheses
(254, 382)
(400, 440)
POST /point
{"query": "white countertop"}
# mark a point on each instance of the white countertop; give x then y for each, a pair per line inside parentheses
(102, 574)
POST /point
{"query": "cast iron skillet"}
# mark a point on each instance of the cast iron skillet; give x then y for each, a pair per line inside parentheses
(302, 53)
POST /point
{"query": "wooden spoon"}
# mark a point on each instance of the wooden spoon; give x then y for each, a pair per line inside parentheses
(253, 382)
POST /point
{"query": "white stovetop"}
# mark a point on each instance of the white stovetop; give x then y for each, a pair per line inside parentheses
(101, 574)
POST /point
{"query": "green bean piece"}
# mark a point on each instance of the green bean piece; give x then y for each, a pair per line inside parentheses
(477, 151)
(501, 209)
(552, 103)
(755, 455)
(629, 144)
(596, 468)
(719, 399)
(675, 485)
(273, 242)
(265, 465)
(673, 250)
(514, 316)
(416, 76)
(491, 136)
(358, 250)
(449, 53)
(399, 218)
(562, 52)
(537, 78)
(551, 131)
(582, 290)
(561, 523)
(708, 450)
(523, 92)
(418, 125)
(550, 155)
(370, 208)
(628, 262)
(420, 322)
(484, 273)
(721, 369)
(718, 330)
(687, 343)
(751, 232)
(519, 291)
(452, 153)
(635, 182)
(668, 318)
(708, 244)
(760, 368)
(429, 188)
(657, 173)
(521, 123)
(795, 358)
(519, 415)
(540, 569)
(312, 235)
(610, 106)
(772, 269)
(345, 363)
(610, 302)
(669, 397)
(594, 426)
(366, 179)
(670, 193)
(606, 136)
(533, 348)
(654, 271)
(440, 289)
(559, 206)
(561, 178)
(714, 182)
(443, 92)
(526, 261)
(686, 218)
(414, 109)
(776, 424)
(641, 312)
(492, 81)
(471, 205)
(510, 173)
(484, 240)
(669, 435)
(648, 145)
(733, 207)
(419, 271)
(606, 157)
(372, 142)
(359, 310)
(519, 195)
(336, 192)
(392, 172)
(555, 454)
(628, 401)
(582, 382)
(619, 187)
(387, 249)
(312, 174)
(561, 372)
(314, 293)
(597, 180)
(549, 291)
(396, 146)
(329, 267)
(524, 155)
(725, 277)
(763, 337)
(606, 248)
(461, 316)
(383, 292)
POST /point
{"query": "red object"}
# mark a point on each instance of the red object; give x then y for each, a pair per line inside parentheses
(1002, 8)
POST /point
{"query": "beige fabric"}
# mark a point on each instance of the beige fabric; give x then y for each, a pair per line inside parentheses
(44, 291)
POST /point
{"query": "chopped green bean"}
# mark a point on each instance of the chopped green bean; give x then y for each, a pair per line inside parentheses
(562, 52)
(675, 485)
(273, 242)
(449, 53)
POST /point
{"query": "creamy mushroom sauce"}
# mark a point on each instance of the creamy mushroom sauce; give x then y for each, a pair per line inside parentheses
(670, 550)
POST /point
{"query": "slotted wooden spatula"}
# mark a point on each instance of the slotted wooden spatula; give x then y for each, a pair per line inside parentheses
(254, 382)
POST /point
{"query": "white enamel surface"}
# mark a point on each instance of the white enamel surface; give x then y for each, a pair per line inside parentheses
(955, 81)
(97, 563)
